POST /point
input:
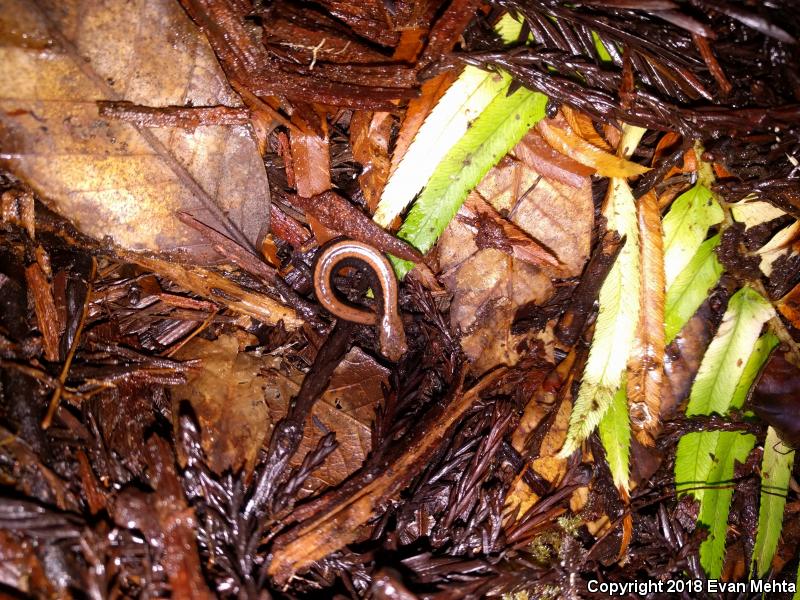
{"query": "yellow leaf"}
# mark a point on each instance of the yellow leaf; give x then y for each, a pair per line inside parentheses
(585, 153)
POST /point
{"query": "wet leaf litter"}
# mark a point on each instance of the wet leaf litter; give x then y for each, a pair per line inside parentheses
(398, 300)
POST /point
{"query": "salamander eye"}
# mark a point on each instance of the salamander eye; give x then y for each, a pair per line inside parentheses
(774, 398)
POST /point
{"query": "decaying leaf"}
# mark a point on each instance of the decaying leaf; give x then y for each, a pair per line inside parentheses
(347, 408)
(558, 216)
(488, 289)
(227, 395)
(113, 178)
(493, 231)
(646, 362)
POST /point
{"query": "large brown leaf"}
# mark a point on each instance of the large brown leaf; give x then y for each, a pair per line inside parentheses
(491, 283)
(227, 395)
(347, 408)
(556, 215)
(488, 288)
(113, 178)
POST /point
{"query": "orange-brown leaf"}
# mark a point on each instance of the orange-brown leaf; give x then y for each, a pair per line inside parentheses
(369, 139)
(311, 163)
(646, 363)
(506, 236)
(583, 126)
(45, 309)
(537, 154)
(585, 153)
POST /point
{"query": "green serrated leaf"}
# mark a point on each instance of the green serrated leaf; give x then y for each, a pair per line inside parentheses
(758, 358)
(694, 458)
(728, 353)
(615, 433)
(731, 447)
(691, 287)
(498, 129)
(615, 325)
(685, 227)
(704, 464)
(776, 470)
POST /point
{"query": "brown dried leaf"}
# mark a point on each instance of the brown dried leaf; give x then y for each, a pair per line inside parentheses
(570, 144)
(488, 285)
(44, 307)
(558, 216)
(222, 290)
(496, 232)
(311, 163)
(347, 408)
(369, 138)
(488, 288)
(227, 395)
(113, 178)
(534, 152)
(646, 362)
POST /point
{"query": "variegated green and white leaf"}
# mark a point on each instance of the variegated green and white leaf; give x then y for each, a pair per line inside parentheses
(728, 353)
(615, 325)
(498, 129)
(690, 289)
(776, 470)
(449, 120)
(685, 227)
